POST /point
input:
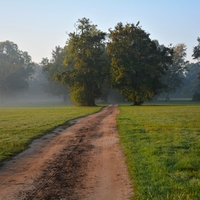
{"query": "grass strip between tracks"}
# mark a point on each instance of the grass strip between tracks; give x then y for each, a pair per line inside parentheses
(18, 126)
(162, 148)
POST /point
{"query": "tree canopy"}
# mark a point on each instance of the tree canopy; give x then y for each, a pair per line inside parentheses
(16, 68)
(196, 50)
(85, 60)
(136, 63)
(196, 53)
(94, 65)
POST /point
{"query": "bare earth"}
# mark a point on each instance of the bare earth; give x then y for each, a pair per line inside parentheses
(83, 161)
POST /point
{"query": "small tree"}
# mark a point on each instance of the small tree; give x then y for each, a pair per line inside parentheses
(196, 50)
(136, 63)
(190, 82)
(50, 69)
(196, 53)
(85, 60)
(173, 77)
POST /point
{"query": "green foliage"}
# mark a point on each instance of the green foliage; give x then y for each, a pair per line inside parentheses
(16, 68)
(86, 61)
(174, 77)
(50, 69)
(136, 63)
(191, 83)
(162, 145)
(196, 53)
(80, 96)
(18, 126)
(196, 50)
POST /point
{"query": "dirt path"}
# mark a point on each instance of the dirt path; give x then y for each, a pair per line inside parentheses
(81, 162)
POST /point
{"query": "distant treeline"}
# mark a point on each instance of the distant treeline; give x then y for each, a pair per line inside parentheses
(121, 65)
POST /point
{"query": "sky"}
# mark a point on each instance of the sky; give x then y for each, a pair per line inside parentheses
(38, 26)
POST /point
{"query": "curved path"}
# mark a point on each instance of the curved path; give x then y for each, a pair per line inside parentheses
(83, 161)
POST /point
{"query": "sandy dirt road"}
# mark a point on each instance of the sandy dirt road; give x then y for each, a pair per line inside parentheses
(83, 161)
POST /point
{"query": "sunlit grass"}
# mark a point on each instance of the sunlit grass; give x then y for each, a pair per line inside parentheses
(162, 148)
(18, 126)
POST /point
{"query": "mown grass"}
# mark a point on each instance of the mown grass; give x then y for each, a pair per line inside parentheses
(162, 148)
(18, 126)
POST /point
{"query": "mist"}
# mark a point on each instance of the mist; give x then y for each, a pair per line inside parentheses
(37, 93)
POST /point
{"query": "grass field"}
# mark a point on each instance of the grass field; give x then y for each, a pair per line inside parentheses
(161, 143)
(18, 126)
(162, 148)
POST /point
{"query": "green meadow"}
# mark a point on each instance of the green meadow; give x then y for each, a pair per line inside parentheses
(162, 148)
(161, 143)
(20, 125)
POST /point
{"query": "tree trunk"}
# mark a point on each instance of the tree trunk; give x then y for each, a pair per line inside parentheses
(167, 97)
(91, 102)
(65, 98)
(138, 103)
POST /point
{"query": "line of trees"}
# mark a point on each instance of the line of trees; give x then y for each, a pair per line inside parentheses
(16, 68)
(93, 64)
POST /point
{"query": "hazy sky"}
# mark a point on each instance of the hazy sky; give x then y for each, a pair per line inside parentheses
(37, 26)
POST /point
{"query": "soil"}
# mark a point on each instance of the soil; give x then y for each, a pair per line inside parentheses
(83, 161)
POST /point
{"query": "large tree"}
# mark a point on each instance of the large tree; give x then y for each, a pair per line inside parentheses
(50, 69)
(136, 63)
(16, 68)
(85, 60)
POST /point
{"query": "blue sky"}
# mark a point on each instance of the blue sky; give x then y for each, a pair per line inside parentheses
(37, 26)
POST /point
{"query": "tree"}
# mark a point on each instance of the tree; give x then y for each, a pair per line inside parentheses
(196, 53)
(85, 60)
(36, 82)
(196, 50)
(136, 63)
(50, 69)
(175, 73)
(190, 82)
(16, 68)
